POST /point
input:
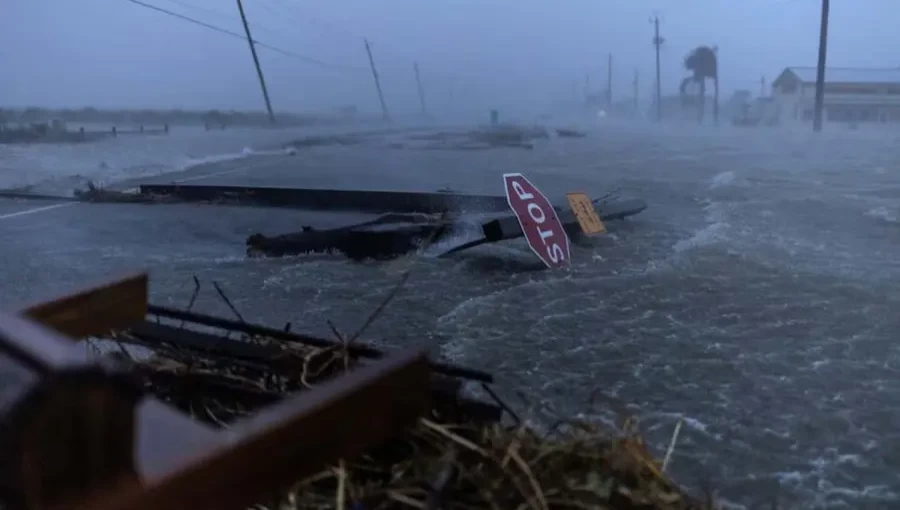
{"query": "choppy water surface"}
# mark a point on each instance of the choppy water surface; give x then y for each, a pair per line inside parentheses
(756, 298)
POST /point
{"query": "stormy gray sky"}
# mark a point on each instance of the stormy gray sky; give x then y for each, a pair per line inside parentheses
(503, 53)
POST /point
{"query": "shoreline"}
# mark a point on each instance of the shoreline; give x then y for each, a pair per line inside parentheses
(176, 116)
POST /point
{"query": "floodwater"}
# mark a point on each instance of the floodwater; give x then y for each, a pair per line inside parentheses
(58, 168)
(755, 298)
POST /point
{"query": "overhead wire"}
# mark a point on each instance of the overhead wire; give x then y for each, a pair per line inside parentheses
(189, 5)
(286, 10)
(255, 25)
(305, 58)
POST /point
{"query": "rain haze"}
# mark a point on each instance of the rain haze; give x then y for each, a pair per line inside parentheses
(507, 54)
(744, 283)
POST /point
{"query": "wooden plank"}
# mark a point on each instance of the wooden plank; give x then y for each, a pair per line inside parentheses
(37, 347)
(268, 452)
(71, 427)
(67, 435)
(95, 310)
(362, 201)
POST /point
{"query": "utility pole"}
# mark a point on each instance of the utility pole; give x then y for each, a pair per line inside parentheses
(609, 83)
(820, 71)
(762, 86)
(587, 86)
(262, 81)
(451, 96)
(384, 111)
(421, 92)
(635, 84)
(657, 41)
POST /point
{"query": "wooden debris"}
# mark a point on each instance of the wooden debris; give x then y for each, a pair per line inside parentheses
(310, 422)
(81, 433)
(95, 310)
(267, 452)
(450, 459)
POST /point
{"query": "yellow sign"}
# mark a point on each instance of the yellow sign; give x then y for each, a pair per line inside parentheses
(585, 213)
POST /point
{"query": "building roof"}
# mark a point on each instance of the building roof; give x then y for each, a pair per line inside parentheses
(846, 74)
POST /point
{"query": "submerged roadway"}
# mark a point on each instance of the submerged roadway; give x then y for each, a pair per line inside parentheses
(51, 245)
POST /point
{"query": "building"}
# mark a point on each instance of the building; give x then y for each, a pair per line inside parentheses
(851, 96)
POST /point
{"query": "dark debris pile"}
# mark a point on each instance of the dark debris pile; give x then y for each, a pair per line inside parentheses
(451, 459)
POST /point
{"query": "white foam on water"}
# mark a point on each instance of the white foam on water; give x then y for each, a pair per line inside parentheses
(193, 161)
(462, 233)
(708, 235)
(723, 179)
(469, 309)
(712, 233)
(883, 213)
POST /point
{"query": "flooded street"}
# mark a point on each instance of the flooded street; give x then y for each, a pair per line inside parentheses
(756, 297)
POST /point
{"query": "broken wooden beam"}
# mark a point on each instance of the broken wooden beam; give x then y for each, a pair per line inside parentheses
(95, 310)
(75, 428)
(36, 347)
(365, 201)
(265, 454)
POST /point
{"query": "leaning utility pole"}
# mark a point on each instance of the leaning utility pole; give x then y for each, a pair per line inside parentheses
(384, 111)
(636, 102)
(657, 41)
(820, 71)
(262, 81)
(609, 83)
(419, 88)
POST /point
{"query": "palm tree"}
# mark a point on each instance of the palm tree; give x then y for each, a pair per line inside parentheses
(703, 64)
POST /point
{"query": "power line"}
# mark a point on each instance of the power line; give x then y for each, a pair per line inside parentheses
(329, 27)
(200, 8)
(304, 58)
(257, 27)
(287, 10)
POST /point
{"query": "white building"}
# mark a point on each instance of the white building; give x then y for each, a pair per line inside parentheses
(851, 95)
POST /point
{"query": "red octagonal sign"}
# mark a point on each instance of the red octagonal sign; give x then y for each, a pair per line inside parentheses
(537, 217)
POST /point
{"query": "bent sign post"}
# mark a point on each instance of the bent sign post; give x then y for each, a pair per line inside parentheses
(537, 217)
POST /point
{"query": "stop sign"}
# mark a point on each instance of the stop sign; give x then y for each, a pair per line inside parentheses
(537, 217)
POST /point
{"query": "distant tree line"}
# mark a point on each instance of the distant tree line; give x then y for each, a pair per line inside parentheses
(160, 117)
